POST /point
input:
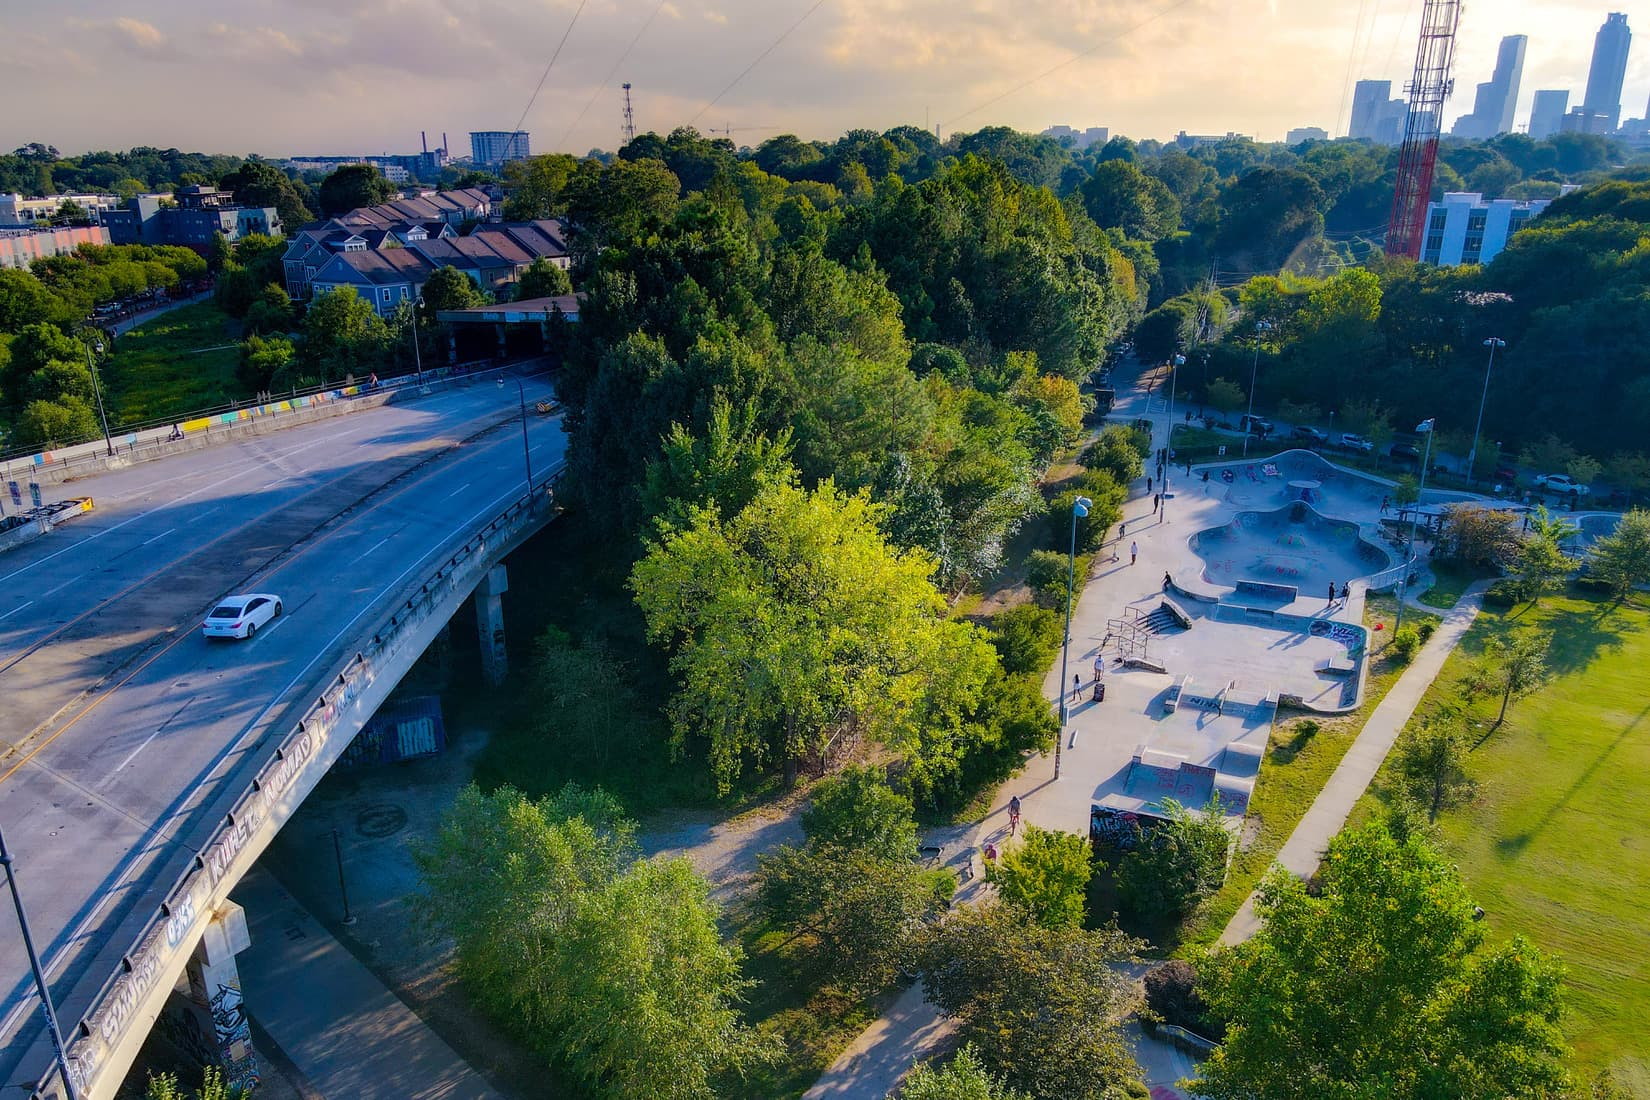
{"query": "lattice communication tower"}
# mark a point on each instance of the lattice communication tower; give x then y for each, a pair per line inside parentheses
(1428, 89)
(629, 117)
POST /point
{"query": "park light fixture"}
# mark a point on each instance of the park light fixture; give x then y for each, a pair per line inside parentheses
(1079, 508)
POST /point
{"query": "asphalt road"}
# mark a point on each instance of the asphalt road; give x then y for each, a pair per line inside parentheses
(124, 734)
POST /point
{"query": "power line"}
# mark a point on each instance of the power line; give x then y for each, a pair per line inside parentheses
(546, 75)
(603, 82)
(759, 57)
(1351, 58)
(1072, 59)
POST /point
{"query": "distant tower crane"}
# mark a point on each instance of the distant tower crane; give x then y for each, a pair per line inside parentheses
(1430, 86)
(629, 117)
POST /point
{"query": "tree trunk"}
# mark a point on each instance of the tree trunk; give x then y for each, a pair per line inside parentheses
(1506, 698)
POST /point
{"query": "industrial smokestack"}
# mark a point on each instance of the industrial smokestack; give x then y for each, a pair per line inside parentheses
(448, 149)
(424, 141)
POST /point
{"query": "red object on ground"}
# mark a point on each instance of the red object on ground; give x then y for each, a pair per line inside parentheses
(1380, 626)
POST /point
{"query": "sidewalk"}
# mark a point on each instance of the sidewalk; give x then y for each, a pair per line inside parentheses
(347, 1034)
(1305, 847)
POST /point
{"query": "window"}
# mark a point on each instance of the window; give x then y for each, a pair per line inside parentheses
(386, 293)
(1435, 243)
(1439, 219)
(1476, 219)
(403, 293)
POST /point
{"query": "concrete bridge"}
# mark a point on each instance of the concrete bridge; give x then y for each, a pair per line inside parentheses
(143, 769)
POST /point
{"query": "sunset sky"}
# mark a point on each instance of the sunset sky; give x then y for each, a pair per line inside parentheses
(364, 76)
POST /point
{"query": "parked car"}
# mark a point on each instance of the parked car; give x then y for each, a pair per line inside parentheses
(1562, 484)
(241, 616)
(1255, 425)
(1354, 442)
(1311, 434)
(1407, 452)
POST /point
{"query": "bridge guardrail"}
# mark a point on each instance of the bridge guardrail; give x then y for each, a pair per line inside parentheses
(257, 814)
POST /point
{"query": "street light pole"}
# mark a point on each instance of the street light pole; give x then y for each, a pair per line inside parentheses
(1254, 373)
(1472, 456)
(1175, 363)
(1079, 507)
(418, 355)
(44, 992)
(1425, 428)
(526, 451)
(97, 391)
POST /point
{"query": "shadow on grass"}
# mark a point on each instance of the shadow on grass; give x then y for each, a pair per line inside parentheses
(1511, 847)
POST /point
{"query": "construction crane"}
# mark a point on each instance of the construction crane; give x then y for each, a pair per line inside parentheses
(1428, 89)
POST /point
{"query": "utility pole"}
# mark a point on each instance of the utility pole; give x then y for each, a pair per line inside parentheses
(46, 1008)
(629, 116)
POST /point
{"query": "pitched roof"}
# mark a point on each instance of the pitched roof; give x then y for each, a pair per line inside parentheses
(387, 267)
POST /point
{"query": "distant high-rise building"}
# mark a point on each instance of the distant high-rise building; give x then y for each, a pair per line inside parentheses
(1080, 139)
(1547, 115)
(1608, 69)
(498, 146)
(1375, 114)
(1582, 120)
(1305, 133)
(1492, 110)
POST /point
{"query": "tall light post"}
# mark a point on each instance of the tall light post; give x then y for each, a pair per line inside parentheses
(45, 994)
(418, 355)
(1423, 428)
(1472, 456)
(526, 451)
(1079, 508)
(1175, 363)
(1254, 373)
(97, 391)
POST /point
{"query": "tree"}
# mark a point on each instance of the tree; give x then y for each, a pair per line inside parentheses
(1043, 1006)
(265, 363)
(270, 311)
(1621, 559)
(352, 187)
(1511, 670)
(69, 419)
(1176, 864)
(857, 810)
(1406, 490)
(449, 288)
(1224, 396)
(343, 336)
(1377, 983)
(24, 300)
(1120, 196)
(585, 700)
(534, 186)
(1431, 765)
(1480, 536)
(1046, 875)
(964, 1077)
(543, 279)
(1541, 561)
(1027, 636)
(1120, 450)
(259, 183)
(722, 468)
(793, 626)
(611, 965)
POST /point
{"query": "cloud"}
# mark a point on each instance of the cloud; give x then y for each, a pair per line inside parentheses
(131, 36)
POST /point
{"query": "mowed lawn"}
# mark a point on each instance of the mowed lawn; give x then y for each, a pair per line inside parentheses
(161, 370)
(1557, 843)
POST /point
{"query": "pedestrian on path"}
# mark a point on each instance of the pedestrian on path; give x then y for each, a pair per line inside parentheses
(1076, 686)
(1386, 502)
(1099, 665)
(1346, 593)
(1157, 502)
(1168, 581)
(1331, 596)
(1134, 552)
(1148, 485)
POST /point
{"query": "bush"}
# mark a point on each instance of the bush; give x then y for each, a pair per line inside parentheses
(857, 810)
(1171, 995)
(1047, 572)
(1424, 630)
(1046, 875)
(1175, 865)
(1404, 644)
(1027, 637)
(1502, 594)
(1119, 451)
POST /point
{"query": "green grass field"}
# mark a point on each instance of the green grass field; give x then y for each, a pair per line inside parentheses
(1557, 843)
(159, 370)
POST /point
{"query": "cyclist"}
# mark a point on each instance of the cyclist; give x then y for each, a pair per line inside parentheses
(1013, 815)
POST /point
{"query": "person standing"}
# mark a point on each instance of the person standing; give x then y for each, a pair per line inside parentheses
(1331, 596)
(1157, 502)
(1148, 485)
(1134, 552)
(1346, 593)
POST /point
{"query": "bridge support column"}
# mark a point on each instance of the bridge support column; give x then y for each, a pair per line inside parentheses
(503, 345)
(490, 624)
(452, 347)
(204, 1016)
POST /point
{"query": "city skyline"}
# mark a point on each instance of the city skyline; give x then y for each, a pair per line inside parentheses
(365, 76)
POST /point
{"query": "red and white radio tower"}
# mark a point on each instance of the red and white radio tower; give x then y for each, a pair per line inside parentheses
(1428, 89)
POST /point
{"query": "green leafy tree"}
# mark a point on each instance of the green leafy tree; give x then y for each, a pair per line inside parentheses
(1046, 875)
(270, 311)
(1541, 563)
(351, 187)
(534, 186)
(449, 288)
(723, 468)
(1510, 670)
(1120, 196)
(1378, 983)
(543, 279)
(1431, 765)
(1407, 490)
(964, 1077)
(1621, 559)
(58, 423)
(585, 701)
(1043, 1006)
(856, 809)
(258, 183)
(792, 625)
(24, 300)
(265, 363)
(1224, 396)
(1120, 451)
(1027, 636)
(1176, 864)
(609, 964)
(342, 336)
(1479, 536)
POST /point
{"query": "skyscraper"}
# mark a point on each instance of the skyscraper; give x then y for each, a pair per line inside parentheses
(1492, 111)
(1608, 70)
(1375, 115)
(1547, 115)
(497, 146)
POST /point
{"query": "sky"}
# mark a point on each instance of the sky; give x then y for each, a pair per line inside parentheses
(285, 77)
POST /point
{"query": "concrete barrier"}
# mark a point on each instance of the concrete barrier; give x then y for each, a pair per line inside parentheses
(40, 521)
(103, 1044)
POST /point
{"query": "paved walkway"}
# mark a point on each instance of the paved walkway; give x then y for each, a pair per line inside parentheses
(348, 1035)
(1305, 848)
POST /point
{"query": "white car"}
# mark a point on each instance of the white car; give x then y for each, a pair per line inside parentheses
(1562, 484)
(241, 616)
(1357, 442)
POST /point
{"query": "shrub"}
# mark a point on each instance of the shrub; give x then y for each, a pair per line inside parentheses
(1424, 630)
(1119, 451)
(1171, 995)
(857, 810)
(1176, 865)
(1047, 875)
(1026, 637)
(1404, 643)
(1047, 572)
(1502, 594)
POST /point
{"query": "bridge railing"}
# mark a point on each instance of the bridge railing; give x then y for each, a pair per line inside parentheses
(131, 996)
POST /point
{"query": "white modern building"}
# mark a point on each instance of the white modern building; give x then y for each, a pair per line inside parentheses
(1080, 139)
(1464, 229)
(494, 147)
(16, 211)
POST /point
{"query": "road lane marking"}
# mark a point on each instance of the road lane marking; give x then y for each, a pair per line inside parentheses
(457, 491)
(373, 547)
(160, 536)
(16, 609)
(110, 778)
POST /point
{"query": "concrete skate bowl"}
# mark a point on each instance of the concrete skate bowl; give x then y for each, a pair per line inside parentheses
(1289, 547)
(1290, 476)
(1590, 528)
